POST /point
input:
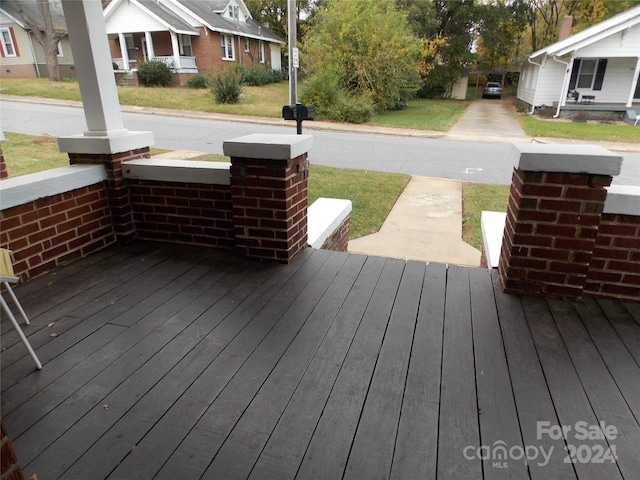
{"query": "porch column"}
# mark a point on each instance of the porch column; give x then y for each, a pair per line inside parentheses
(123, 51)
(150, 53)
(106, 141)
(634, 83)
(269, 194)
(176, 50)
(555, 204)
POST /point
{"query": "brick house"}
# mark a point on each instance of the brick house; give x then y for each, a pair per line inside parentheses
(192, 36)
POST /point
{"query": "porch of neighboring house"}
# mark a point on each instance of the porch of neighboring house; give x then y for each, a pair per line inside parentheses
(593, 110)
(169, 361)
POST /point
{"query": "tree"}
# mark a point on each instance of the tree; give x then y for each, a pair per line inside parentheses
(369, 46)
(500, 28)
(41, 24)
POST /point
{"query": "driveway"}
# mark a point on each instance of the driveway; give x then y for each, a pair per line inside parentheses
(489, 120)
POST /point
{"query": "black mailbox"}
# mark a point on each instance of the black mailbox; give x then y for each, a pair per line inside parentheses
(299, 112)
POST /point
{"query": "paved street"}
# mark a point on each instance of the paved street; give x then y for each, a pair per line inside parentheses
(426, 154)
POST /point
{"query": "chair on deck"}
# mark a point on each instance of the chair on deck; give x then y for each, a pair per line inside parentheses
(7, 277)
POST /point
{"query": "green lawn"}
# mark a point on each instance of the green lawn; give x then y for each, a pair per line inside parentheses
(589, 131)
(477, 197)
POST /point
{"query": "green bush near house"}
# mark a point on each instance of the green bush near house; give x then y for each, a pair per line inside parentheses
(198, 81)
(259, 75)
(226, 86)
(155, 73)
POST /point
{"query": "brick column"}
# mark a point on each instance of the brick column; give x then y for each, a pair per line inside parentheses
(119, 203)
(556, 200)
(269, 194)
(3, 167)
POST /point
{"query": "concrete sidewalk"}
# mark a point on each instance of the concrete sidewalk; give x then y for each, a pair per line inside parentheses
(425, 224)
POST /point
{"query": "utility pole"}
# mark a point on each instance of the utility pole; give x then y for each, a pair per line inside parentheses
(293, 52)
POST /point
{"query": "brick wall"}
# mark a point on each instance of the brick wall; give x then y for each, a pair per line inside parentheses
(3, 167)
(339, 240)
(614, 269)
(189, 213)
(566, 234)
(56, 229)
(552, 222)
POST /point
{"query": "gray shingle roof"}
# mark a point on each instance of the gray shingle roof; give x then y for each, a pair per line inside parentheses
(32, 12)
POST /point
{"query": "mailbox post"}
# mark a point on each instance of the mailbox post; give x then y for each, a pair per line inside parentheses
(298, 112)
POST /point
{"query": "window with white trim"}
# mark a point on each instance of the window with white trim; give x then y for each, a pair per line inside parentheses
(8, 48)
(261, 52)
(185, 45)
(131, 48)
(586, 73)
(247, 44)
(233, 11)
(226, 42)
(60, 52)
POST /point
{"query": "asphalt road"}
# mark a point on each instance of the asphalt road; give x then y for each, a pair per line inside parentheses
(488, 162)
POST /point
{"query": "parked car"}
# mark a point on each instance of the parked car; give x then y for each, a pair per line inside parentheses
(492, 90)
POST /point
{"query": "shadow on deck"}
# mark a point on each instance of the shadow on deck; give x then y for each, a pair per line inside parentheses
(164, 361)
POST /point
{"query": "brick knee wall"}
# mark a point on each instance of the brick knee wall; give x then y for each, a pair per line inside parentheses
(614, 269)
(48, 232)
(552, 223)
(197, 214)
(339, 239)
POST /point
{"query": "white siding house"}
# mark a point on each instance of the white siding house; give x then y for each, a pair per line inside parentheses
(601, 64)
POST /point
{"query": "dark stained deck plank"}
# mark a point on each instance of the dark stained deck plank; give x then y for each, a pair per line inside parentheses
(285, 448)
(499, 425)
(605, 398)
(328, 451)
(624, 324)
(416, 451)
(459, 424)
(240, 450)
(530, 390)
(185, 362)
(146, 394)
(569, 398)
(373, 447)
(186, 403)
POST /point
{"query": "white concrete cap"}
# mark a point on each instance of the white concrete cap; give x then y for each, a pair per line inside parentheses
(169, 170)
(492, 224)
(27, 188)
(589, 159)
(106, 144)
(268, 146)
(324, 216)
(623, 200)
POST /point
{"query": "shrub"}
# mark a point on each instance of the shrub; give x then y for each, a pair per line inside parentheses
(321, 90)
(226, 86)
(332, 102)
(580, 116)
(351, 109)
(198, 81)
(154, 73)
(257, 76)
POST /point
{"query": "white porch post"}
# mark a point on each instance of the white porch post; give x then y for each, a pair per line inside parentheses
(106, 132)
(634, 83)
(123, 50)
(150, 53)
(176, 50)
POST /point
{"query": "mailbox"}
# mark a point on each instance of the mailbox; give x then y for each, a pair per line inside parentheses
(298, 112)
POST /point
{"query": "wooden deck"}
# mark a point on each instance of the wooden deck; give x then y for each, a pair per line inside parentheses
(172, 362)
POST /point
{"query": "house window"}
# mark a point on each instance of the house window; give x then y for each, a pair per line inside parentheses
(247, 45)
(185, 45)
(226, 42)
(586, 73)
(261, 52)
(60, 52)
(8, 47)
(233, 11)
